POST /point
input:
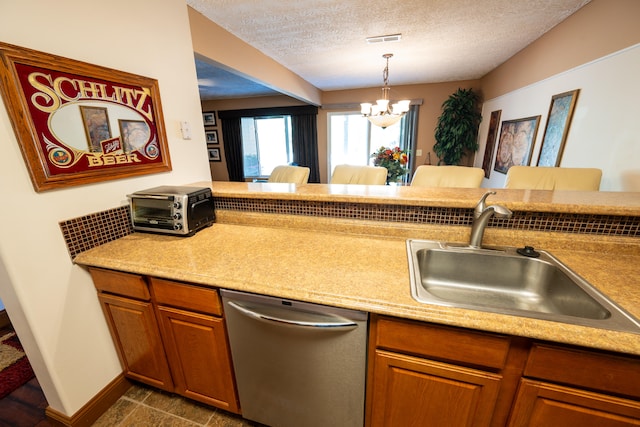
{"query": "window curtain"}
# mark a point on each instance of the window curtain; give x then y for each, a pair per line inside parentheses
(408, 136)
(304, 128)
(232, 136)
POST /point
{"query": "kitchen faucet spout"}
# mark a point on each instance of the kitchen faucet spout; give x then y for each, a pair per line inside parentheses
(482, 214)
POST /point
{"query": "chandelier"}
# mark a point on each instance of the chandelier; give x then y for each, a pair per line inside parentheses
(381, 113)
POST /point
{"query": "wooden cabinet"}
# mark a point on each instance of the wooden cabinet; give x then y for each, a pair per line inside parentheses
(432, 375)
(573, 387)
(127, 306)
(411, 391)
(196, 343)
(541, 404)
(421, 374)
(169, 335)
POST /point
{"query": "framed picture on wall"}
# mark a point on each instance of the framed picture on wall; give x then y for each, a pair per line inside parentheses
(96, 126)
(79, 123)
(212, 136)
(209, 118)
(516, 143)
(214, 154)
(557, 128)
(494, 124)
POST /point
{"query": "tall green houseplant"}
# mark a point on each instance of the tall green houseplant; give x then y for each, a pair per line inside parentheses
(457, 129)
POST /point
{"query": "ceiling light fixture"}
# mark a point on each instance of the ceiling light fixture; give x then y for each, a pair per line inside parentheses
(381, 113)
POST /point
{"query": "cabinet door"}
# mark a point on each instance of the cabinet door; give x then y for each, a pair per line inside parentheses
(547, 405)
(410, 391)
(199, 357)
(137, 338)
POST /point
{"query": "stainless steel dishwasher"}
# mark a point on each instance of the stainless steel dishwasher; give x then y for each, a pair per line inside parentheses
(297, 364)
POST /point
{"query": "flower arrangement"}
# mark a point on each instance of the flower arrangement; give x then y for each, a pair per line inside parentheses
(394, 159)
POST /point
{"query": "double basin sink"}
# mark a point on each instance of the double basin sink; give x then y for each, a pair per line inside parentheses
(507, 280)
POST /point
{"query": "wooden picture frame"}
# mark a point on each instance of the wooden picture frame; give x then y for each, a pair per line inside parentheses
(65, 115)
(211, 136)
(96, 126)
(517, 138)
(134, 134)
(209, 118)
(214, 154)
(492, 135)
(557, 128)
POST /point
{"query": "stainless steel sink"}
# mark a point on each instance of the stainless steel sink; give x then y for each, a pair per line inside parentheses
(501, 280)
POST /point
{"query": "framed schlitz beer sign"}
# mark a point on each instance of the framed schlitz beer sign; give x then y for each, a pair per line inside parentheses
(78, 123)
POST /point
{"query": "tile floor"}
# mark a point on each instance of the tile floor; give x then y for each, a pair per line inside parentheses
(141, 406)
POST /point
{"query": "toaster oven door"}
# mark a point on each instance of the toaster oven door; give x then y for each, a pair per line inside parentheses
(152, 212)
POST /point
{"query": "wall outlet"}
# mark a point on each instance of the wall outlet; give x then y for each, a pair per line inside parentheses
(418, 153)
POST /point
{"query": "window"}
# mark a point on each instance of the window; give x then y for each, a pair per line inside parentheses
(352, 139)
(266, 143)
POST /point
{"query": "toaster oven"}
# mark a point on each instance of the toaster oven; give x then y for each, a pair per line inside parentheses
(173, 210)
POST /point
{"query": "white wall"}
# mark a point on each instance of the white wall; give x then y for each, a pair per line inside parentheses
(605, 131)
(51, 302)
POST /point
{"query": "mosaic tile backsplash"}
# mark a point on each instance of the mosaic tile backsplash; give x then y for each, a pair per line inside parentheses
(92, 230)
(89, 231)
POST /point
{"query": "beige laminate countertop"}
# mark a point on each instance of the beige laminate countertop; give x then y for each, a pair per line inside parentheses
(578, 202)
(353, 271)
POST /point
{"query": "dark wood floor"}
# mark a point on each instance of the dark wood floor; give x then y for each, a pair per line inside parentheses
(25, 406)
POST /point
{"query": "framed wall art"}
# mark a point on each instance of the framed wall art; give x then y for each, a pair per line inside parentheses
(494, 124)
(214, 154)
(209, 118)
(557, 128)
(516, 143)
(78, 123)
(212, 136)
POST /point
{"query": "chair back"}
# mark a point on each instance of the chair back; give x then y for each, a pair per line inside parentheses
(290, 174)
(447, 176)
(551, 178)
(349, 174)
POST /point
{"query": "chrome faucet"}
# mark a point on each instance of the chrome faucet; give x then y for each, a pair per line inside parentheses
(481, 216)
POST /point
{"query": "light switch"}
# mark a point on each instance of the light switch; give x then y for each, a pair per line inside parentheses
(418, 152)
(185, 128)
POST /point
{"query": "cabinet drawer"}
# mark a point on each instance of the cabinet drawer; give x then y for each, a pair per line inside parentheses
(603, 372)
(115, 282)
(190, 297)
(438, 342)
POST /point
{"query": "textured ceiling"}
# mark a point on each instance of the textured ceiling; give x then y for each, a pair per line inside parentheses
(323, 41)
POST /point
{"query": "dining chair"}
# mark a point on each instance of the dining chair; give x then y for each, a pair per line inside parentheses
(290, 174)
(350, 174)
(447, 176)
(553, 178)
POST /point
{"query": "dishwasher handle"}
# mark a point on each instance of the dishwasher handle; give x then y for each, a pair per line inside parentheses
(330, 322)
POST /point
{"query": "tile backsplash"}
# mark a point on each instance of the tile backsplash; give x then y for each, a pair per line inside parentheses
(95, 229)
(89, 231)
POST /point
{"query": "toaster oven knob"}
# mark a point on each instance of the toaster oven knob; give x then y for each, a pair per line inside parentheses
(177, 215)
(177, 226)
(177, 205)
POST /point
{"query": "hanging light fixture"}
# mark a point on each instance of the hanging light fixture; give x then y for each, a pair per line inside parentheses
(381, 113)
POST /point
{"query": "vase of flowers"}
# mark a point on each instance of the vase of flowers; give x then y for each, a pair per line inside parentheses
(394, 159)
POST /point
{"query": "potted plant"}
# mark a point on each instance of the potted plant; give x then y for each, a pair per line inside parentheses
(457, 129)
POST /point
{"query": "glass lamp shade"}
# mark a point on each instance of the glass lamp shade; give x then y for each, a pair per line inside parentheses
(382, 104)
(401, 107)
(385, 120)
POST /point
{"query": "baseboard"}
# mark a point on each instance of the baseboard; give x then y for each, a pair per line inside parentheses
(4, 319)
(97, 406)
